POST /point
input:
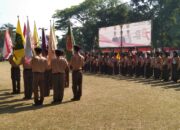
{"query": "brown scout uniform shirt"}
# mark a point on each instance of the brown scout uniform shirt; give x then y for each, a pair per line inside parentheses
(59, 65)
(39, 64)
(77, 62)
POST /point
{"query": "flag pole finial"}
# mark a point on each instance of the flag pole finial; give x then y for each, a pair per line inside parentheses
(18, 16)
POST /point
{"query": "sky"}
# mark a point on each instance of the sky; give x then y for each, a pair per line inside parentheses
(40, 11)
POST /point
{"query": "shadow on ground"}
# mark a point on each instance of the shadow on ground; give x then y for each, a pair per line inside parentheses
(19, 105)
(152, 82)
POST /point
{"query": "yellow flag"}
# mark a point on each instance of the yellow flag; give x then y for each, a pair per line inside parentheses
(18, 49)
(118, 56)
(35, 36)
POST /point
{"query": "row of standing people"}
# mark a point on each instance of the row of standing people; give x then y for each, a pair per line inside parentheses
(159, 65)
(39, 76)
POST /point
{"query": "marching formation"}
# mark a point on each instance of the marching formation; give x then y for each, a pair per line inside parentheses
(39, 77)
(159, 65)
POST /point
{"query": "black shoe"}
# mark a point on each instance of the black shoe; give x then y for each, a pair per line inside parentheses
(18, 92)
(56, 102)
(25, 98)
(75, 99)
(40, 102)
(13, 93)
(78, 99)
(35, 104)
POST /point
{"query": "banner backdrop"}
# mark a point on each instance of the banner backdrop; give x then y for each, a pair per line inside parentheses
(133, 35)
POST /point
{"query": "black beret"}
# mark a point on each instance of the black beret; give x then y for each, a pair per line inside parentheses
(76, 48)
(38, 50)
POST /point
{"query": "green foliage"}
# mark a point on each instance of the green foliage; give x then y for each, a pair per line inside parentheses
(94, 14)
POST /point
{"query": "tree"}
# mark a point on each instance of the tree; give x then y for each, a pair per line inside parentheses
(92, 14)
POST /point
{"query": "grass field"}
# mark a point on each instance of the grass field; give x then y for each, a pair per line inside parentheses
(108, 103)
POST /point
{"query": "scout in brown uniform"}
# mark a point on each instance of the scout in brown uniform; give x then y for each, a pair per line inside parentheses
(142, 65)
(175, 62)
(15, 76)
(110, 65)
(148, 66)
(126, 64)
(116, 64)
(48, 78)
(130, 64)
(122, 59)
(27, 76)
(165, 66)
(59, 66)
(157, 66)
(77, 63)
(39, 65)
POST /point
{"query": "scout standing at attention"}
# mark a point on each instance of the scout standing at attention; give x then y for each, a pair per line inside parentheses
(59, 66)
(39, 65)
(15, 76)
(77, 63)
(27, 76)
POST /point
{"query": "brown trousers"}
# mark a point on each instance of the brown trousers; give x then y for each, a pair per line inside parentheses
(38, 84)
(77, 83)
(48, 82)
(15, 76)
(67, 78)
(58, 81)
(28, 77)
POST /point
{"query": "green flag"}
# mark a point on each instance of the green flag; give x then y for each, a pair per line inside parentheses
(69, 43)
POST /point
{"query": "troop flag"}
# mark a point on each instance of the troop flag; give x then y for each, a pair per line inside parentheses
(118, 56)
(18, 49)
(69, 43)
(7, 49)
(44, 42)
(28, 45)
(51, 45)
(35, 36)
(55, 39)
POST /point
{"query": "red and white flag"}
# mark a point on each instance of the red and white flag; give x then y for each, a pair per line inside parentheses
(7, 49)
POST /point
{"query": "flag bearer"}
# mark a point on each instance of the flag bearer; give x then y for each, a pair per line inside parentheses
(59, 66)
(15, 76)
(77, 63)
(27, 76)
(39, 65)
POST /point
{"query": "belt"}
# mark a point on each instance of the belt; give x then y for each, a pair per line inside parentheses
(28, 69)
(77, 70)
(38, 72)
(58, 73)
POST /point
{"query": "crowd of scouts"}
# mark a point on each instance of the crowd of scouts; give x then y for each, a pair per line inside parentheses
(40, 77)
(158, 65)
